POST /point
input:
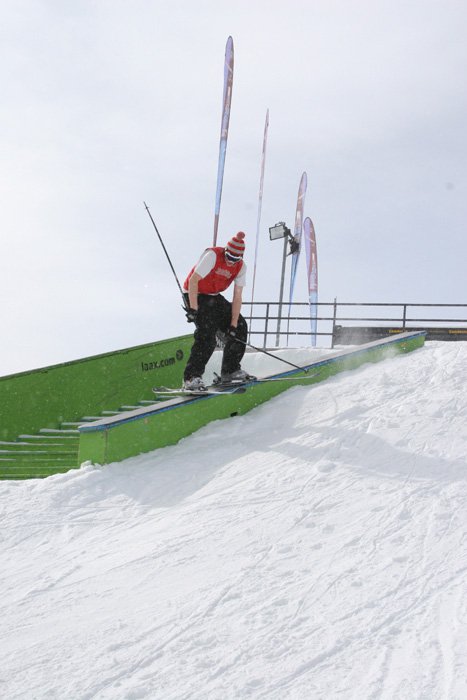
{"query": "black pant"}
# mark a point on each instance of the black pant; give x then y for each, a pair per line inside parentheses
(215, 314)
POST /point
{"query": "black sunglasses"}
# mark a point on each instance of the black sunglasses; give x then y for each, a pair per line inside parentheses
(232, 258)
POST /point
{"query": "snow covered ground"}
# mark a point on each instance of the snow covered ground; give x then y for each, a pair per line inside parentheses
(312, 549)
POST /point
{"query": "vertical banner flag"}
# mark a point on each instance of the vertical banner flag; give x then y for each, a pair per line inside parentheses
(312, 272)
(260, 203)
(297, 235)
(297, 232)
(227, 99)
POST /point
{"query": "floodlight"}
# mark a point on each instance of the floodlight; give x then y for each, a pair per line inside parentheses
(280, 230)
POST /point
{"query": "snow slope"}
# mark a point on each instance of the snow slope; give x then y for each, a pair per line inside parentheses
(312, 549)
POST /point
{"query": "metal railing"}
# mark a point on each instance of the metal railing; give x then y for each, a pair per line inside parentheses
(264, 321)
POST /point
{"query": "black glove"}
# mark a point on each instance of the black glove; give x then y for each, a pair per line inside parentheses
(191, 315)
(232, 333)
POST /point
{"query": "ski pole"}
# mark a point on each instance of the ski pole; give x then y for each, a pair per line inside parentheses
(276, 357)
(167, 255)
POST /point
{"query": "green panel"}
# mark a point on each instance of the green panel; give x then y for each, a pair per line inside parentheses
(94, 447)
(37, 447)
(39, 472)
(143, 431)
(44, 398)
(38, 458)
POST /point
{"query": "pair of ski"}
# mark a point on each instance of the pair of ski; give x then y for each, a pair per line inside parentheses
(227, 388)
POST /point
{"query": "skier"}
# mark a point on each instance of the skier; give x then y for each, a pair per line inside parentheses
(210, 312)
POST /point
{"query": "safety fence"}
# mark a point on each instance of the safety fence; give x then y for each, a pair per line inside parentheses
(350, 323)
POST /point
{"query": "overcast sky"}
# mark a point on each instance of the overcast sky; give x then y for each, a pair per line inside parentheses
(108, 103)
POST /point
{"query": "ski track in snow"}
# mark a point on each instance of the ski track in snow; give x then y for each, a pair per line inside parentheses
(314, 548)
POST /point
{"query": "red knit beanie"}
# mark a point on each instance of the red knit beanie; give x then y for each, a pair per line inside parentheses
(236, 245)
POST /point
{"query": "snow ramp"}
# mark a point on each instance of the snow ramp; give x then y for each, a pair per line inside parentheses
(312, 549)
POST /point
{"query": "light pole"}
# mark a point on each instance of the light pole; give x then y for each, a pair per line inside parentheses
(280, 230)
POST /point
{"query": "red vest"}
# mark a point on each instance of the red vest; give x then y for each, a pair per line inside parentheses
(220, 276)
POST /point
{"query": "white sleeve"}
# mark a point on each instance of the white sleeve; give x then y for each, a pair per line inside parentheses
(240, 280)
(206, 263)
